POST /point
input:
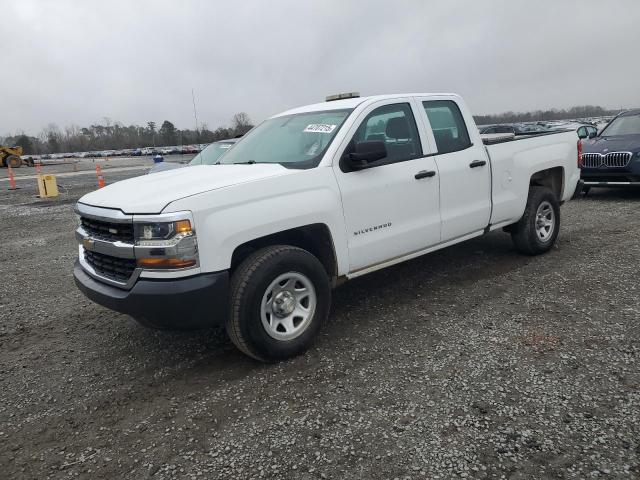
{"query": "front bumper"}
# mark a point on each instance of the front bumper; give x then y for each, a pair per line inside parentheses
(611, 176)
(611, 181)
(199, 301)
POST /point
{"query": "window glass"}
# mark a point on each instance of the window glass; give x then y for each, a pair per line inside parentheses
(448, 126)
(294, 141)
(396, 127)
(211, 153)
(626, 125)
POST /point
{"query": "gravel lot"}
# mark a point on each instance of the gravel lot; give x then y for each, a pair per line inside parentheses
(471, 362)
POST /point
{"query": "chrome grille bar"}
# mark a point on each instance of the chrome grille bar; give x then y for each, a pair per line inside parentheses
(591, 160)
(611, 159)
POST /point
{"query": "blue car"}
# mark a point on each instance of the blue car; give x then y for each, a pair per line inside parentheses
(208, 156)
(612, 158)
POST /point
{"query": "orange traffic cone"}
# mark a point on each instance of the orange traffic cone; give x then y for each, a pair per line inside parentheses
(12, 180)
(100, 177)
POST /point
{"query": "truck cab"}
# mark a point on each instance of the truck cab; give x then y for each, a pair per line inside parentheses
(309, 198)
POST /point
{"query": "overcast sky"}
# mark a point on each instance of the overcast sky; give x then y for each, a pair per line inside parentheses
(78, 61)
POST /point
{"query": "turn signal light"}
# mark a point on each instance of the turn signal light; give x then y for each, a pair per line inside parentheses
(183, 226)
(165, 263)
(580, 163)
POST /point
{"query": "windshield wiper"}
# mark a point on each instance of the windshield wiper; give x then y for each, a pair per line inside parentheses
(248, 162)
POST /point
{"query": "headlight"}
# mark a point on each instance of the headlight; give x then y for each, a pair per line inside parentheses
(153, 232)
(165, 245)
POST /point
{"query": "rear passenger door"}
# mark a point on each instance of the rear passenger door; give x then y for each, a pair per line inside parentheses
(465, 174)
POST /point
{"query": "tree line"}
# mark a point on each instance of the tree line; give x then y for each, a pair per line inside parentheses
(583, 111)
(110, 135)
(116, 136)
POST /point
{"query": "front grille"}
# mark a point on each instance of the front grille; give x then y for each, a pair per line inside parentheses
(108, 231)
(113, 268)
(613, 159)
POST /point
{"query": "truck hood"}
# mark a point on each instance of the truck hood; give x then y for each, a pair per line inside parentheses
(620, 143)
(152, 193)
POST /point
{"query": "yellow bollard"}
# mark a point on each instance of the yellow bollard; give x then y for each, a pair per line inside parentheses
(47, 186)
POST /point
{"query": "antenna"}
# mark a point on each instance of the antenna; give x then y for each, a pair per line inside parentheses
(195, 114)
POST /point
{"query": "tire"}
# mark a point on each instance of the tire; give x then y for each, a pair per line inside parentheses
(530, 235)
(13, 161)
(268, 289)
(578, 191)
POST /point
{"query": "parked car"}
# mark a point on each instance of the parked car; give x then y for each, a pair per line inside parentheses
(188, 149)
(309, 198)
(208, 156)
(612, 158)
(583, 129)
(514, 129)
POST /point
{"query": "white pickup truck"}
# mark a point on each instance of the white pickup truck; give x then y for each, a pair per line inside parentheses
(309, 198)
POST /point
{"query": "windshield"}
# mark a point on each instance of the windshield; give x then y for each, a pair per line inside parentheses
(623, 126)
(296, 141)
(211, 153)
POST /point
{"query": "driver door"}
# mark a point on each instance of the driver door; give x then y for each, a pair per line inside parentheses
(391, 208)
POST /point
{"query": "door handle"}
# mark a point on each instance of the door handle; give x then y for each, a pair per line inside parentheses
(478, 163)
(425, 174)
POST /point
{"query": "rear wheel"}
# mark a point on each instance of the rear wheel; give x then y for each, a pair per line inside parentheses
(13, 161)
(538, 229)
(280, 297)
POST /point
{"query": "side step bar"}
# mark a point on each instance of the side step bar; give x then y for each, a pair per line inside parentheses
(604, 184)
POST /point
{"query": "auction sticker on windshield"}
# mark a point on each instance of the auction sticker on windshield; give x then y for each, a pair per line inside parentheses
(320, 128)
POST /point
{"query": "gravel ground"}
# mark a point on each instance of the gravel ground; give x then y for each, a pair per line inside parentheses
(81, 173)
(471, 362)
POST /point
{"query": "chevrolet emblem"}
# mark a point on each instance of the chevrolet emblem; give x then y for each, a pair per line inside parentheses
(88, 243)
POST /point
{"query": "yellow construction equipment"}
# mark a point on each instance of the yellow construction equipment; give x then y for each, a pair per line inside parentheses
(10, 156)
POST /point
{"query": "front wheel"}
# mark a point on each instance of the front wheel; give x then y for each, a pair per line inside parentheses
(538, 229)
(280, 297)
(13, 161)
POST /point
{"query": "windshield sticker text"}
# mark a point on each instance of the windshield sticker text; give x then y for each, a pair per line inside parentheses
(320, 128)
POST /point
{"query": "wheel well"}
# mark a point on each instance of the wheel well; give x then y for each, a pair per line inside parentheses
(315, 238)
(552, 178)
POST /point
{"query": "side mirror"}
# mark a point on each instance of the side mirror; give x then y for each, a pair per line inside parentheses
(365, 153)
(593, 134)
(582, 132)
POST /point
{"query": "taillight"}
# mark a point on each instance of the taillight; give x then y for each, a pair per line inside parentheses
(580, 164)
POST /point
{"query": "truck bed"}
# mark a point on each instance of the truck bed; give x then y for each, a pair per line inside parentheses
(494, 138)
(515, 160)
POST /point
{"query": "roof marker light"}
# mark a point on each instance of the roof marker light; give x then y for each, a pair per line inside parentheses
(342, 96)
